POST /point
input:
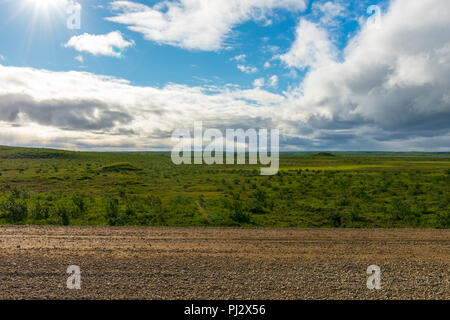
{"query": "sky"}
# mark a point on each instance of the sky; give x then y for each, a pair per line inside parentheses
(366, 75)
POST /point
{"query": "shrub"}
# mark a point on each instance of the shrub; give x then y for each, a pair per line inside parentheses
(400, 209)
(112, 210)
(130, 213)
(443, 220)
(335, 219)
(343, 202)
(154, 202)
(355, 213)
(261, 196)
(259, 203)
(18, 193)
(238, 214)
(79, 201)
(63, 214)
(40, 212)
(403, 212)
(122, 193)
(14, 211)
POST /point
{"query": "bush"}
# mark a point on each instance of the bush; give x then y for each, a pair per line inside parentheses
(112, 210)
(79, 201)
(443, 220)
(355, 213)
(261, 196)
(130, 213)
(20, 193)
(259, 203)
(343, 202)
(14, 211)
(402, 211)
(154, 202)
(335, 219)
(40, 212)
(238, 214)
(63, 215)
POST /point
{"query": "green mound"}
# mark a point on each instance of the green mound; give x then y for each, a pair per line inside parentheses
(323, 154)
(119, 167)
(32, 153)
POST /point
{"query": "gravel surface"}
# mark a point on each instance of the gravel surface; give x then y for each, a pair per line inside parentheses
(216, 263)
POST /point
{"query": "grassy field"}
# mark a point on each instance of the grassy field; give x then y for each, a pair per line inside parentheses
(357, 190)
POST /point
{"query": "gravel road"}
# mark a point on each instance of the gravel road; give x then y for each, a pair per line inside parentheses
(216, 263)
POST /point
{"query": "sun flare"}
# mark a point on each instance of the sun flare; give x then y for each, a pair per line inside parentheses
(46, 4)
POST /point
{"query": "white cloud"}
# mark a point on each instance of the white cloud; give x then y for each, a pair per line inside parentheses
(2, 57)
(270, 48)
(258, 82)
(393, 80)
(239, 58)
(330, 11)
(266, 101)
(79, 58)
(261, 82)
(273, 81)
(247, 69)
(196, 24)
(83, 110)
(311, 48)
(111, 44)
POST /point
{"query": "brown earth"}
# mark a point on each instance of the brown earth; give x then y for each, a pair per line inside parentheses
(215, 263)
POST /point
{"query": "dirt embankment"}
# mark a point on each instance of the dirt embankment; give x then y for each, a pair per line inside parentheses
(213, 263)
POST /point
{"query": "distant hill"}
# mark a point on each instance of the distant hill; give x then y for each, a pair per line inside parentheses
(7, 152)
(34, 153)
(323, 154)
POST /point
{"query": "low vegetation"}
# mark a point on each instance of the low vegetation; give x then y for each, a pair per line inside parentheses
(119, 167)
(358, 190)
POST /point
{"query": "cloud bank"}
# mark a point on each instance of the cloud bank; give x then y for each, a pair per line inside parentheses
(393, 81)
(195, 24)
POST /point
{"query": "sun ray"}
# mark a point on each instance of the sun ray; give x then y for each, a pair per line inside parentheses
(43, 14)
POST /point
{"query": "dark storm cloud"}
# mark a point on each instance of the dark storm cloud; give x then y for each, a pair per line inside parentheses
(64, 114)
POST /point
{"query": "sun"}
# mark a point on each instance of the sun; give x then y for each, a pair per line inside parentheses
(46, 9)
(44, 17)
(46, 4)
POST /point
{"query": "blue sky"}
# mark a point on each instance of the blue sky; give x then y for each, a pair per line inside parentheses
(39, 43)
(317, 70)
